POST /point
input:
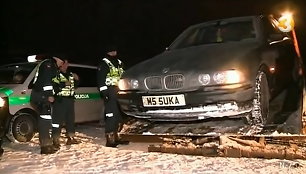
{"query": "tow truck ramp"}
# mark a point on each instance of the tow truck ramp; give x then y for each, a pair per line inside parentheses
(225, 137)
(261, 146)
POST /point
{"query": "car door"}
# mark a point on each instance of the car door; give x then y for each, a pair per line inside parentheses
(88, 104)
(285, 56)
(285, 63)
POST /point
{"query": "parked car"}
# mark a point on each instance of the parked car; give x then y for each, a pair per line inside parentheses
(223, 68)
(20, 119)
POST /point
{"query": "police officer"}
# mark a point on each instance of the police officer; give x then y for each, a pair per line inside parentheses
(2, 134)
(63, 107)
(42, 97)
(109, 72)
(1, 149)
(2, 129)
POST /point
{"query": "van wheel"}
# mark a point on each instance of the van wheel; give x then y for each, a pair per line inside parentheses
(21, 128)
(260, 110)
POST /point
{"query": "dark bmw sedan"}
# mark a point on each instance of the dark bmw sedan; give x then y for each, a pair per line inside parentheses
(224, 68)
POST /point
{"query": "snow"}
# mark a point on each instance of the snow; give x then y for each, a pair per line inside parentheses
(92, 157)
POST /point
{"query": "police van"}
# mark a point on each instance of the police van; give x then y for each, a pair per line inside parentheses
(20, 119)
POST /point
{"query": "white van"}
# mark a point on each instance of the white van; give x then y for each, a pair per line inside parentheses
(16, 81)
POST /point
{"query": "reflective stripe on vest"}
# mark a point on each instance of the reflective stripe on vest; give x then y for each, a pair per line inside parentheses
(68, 90)
(113, 77)
(47, 117)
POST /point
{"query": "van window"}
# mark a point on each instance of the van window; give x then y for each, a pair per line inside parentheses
(87, 76)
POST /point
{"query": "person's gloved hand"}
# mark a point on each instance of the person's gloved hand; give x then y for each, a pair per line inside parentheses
(51, 99)
(104, 96)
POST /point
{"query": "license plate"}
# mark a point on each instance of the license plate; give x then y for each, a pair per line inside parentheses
(164, 100)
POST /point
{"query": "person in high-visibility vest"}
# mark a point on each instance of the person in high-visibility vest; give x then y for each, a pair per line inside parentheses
(63, 107)
(42, 97)
(108, 74)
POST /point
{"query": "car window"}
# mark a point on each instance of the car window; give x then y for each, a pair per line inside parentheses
(87, 76)
(15, 74)
(219, 32)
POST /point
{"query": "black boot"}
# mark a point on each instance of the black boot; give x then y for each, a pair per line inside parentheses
(72, 140)
(56, 144)
(119, 140)
(1, 151)
(48, 149)
(111, 139)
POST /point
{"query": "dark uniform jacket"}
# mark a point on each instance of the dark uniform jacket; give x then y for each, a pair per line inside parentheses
(43, 82)
(103, 70)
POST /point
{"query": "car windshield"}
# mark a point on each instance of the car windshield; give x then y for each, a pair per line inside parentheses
(217, 32)
(15, 74)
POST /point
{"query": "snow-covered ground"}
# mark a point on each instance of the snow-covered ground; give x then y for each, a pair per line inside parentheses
(91, 156)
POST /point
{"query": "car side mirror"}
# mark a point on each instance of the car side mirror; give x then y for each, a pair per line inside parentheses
(277, 38)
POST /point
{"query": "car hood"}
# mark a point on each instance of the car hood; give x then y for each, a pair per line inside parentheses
(202, 58)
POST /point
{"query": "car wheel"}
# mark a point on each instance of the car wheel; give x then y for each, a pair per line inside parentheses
(21, 128)
(260, 109)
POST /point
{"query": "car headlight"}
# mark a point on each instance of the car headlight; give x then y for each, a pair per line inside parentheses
(2, 102)
(204, 79)
(228, 77)
(128, 84)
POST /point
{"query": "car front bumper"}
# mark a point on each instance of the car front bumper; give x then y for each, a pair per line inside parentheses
(200, 104)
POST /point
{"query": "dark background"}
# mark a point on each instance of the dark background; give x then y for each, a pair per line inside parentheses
(81, 29)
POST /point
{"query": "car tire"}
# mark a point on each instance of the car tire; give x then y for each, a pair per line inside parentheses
(21, 128)
(260, 109)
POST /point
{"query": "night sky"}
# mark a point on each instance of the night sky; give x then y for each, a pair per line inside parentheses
(81, 29)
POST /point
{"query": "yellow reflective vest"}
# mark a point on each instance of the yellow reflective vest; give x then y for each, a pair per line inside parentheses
(113, 77)
(68, 90)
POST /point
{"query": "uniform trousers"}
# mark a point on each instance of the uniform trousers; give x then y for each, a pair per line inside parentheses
(63, 114)
(112, 111)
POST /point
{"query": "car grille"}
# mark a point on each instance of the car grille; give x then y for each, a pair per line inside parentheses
(170, 82)
(153, 83)
(174, 81)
